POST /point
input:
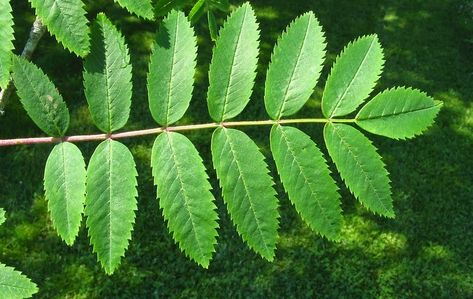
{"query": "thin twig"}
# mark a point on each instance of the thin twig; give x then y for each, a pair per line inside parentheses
(37, 31)
(130, 134)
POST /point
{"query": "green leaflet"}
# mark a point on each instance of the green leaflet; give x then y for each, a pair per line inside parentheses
(360, 166)
(197, 11)
(111, 201)
(353, 76)
(233, 67)
(6, 44)
(247, 189)
(183, 191)
(2, 216)
(107, 77)
(64, 183)
(398, 113)
(141, 8)
(39, 96)
(172, 69)
(163, 7)
(306, 178)
(295, 67)
(14, 285)
(213, 28)
(66, 20)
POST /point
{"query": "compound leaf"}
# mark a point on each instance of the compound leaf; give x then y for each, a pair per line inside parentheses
(233, 67)
(353, 76)
(66, 20)
(2, 216)
(306, 178)
(247, 189)
(360, 166)
(141, 8)
(39, 96)
(64, 183)
(107, 77)
(171, 69)
(295, 67)
(14, 285)
(184, 195)
(398, 113)
(6, 44)
(111, 201)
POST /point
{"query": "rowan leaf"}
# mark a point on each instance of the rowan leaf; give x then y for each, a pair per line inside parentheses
(295, 67)
(306, 178)
(172, 69)
(14, 285)
(40, 98)
(233, 67)
(184, 195)
(247, 189)
(64, 184)
(141, 8)
(111, 202)
(399, 113)
(107, 77)
(213, 28)
(353, 76)
(65, 19)
(6, 44)
(197, 11)
(360, 167)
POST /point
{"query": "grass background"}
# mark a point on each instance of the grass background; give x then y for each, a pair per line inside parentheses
(425, 252)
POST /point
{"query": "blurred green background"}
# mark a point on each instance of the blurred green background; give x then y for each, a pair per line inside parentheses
(425, 252)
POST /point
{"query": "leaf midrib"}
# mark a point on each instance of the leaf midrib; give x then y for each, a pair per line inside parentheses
(171, 73)
(389, 115)
(66, 191)
(109, 215)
